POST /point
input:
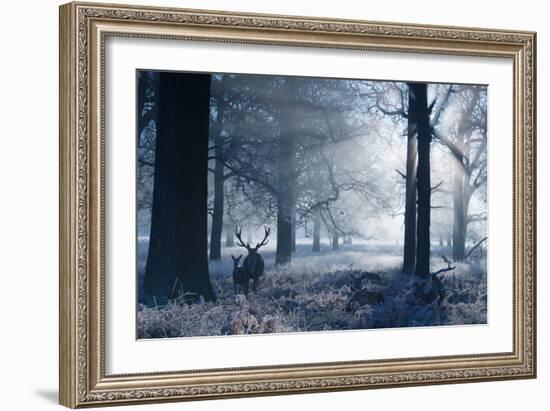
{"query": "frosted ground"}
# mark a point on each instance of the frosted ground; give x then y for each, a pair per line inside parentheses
(313, 293)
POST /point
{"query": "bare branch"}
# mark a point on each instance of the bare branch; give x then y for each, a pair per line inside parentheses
(437, 186)
(474, 218)
(245, 176)
(229, 175)
(475, 246)
(400, 112)
(442, 107)
(455, 150)
(401, 173)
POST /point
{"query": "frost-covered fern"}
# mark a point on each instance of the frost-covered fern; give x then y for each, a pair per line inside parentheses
(312, 294)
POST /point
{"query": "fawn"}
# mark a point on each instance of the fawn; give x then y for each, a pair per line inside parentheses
(240, 276)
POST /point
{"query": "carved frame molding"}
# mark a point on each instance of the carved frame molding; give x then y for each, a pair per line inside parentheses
(84, 28)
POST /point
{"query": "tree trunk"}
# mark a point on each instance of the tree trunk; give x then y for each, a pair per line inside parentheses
(219, 169)
(217, 213)
(409, 243)
(420, 112)
(466, 204)
(459, 222)
(229, 237)
(335, 241)
(287, 161)
(316, 232)
(177, 260)
(286, 174)
(293, 232)
(462, 194)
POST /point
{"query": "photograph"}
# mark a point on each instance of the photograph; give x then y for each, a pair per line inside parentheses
(289, 204)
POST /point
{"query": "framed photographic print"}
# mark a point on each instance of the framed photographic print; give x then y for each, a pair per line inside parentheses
(259, 204)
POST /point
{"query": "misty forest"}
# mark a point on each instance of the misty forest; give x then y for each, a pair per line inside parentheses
(270, 204)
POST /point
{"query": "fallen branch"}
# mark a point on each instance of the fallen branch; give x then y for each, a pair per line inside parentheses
(444, 270)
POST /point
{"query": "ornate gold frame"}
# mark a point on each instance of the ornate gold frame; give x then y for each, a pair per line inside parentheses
(83, 30)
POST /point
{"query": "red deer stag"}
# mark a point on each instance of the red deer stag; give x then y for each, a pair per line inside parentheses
(253, 263)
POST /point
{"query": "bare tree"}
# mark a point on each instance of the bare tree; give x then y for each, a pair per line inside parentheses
(464, 134)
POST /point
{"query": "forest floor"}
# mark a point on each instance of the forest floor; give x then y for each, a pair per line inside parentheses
(316, 293)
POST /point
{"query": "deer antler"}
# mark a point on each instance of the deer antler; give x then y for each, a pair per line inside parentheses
(267, 231)
(240, 242)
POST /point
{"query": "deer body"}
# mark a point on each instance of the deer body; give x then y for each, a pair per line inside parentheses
(253, 264)
(240, 276)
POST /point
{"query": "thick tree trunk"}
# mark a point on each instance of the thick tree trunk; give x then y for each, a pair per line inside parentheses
(177, 260)
(287, 160)
(420, 112)
(316, 231)
(335, 241)
(286, 198)
(409, 244)
(217, 213)
(229, 237)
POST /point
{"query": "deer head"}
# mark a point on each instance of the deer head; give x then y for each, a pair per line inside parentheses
(252, 250)
(236, 260)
